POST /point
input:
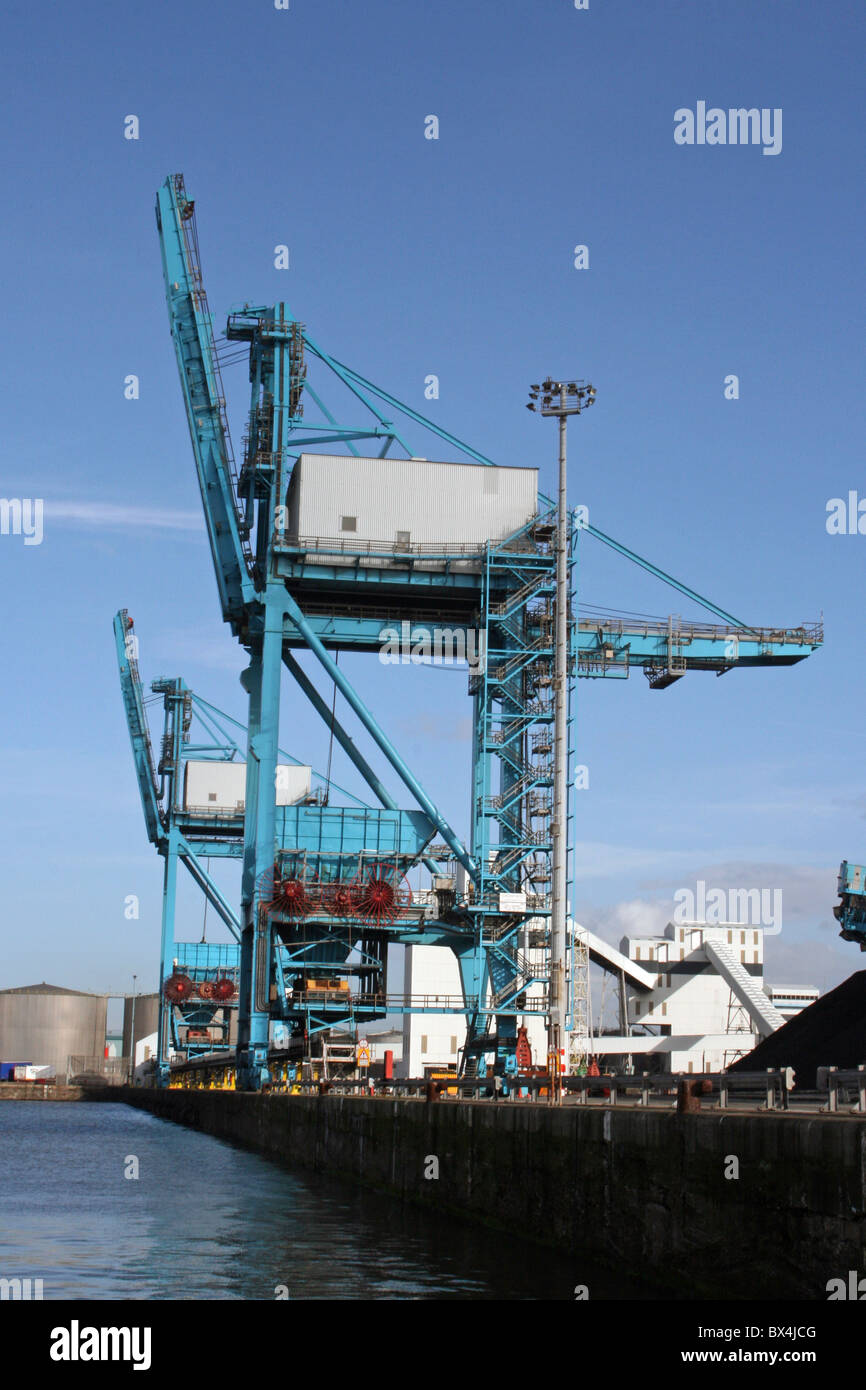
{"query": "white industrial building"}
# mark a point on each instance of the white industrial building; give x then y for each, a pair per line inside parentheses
(434, 1041)
(695, 1001)
(708, 994)
(697, 994)
(431, 1041)
(791, 999)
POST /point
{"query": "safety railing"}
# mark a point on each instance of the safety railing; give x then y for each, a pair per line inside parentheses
(342, 545)
(841, 1084)
(808, 634)
(769, 1088)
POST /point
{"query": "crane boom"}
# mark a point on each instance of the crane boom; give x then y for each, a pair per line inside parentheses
(136, 720)
(192, 333)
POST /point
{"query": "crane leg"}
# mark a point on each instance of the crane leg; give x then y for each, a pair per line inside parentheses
(262, 682)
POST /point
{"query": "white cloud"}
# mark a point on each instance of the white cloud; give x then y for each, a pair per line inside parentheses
(824, 963)
(632, 917)
(808, 890)
(120, 516)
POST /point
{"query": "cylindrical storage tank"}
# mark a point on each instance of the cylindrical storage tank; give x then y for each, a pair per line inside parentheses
(146, 1019)
(46, 1025)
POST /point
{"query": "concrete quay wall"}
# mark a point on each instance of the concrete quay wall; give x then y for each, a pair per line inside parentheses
(633, 1189)
(33, 1090)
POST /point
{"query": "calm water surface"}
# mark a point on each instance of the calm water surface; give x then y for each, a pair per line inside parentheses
(206, 1220)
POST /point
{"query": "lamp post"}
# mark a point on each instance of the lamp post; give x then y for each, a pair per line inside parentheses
(560, 398)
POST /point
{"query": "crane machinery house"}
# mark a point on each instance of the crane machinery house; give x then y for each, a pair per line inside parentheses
(415, 505)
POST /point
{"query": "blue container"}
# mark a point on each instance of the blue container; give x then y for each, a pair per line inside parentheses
(7, 1069)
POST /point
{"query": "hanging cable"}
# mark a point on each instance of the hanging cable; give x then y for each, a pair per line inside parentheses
(204, 923)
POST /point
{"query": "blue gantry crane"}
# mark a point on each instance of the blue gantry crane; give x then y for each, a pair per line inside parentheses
(190, 824)
(850, 911)
(198, 980)
(323, 889)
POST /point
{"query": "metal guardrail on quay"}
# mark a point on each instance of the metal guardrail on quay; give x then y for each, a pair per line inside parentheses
(770, 1089)
(847, 1081)
(838, 1091)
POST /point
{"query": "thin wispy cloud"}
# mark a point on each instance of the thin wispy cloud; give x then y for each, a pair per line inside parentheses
(121, 516)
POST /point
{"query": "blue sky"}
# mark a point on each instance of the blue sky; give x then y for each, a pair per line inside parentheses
(455, 257)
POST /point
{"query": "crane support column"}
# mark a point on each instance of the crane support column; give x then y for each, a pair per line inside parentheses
(261, 680)
(170, 850)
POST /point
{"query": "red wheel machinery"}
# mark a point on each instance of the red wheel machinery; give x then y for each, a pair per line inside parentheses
(293, 900)
(289, 895)
(268, 889)
(265, 888)
(224, 989)
(340, 899)
(178, 988)
(379, 899)
(206, 989)
(315, 891)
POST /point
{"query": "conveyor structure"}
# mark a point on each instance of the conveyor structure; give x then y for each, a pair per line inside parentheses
(762, 1014)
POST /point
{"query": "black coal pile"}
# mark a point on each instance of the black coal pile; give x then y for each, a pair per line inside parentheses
(830, 1033)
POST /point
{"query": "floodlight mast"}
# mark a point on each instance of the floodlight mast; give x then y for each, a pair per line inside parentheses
(560, 398)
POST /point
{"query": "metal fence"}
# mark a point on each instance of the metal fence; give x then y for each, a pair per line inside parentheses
(769, 1090)
(849, 1087)
(110, 1071)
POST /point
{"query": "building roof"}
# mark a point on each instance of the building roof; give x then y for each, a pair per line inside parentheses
(795, 989)
(47, 989)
